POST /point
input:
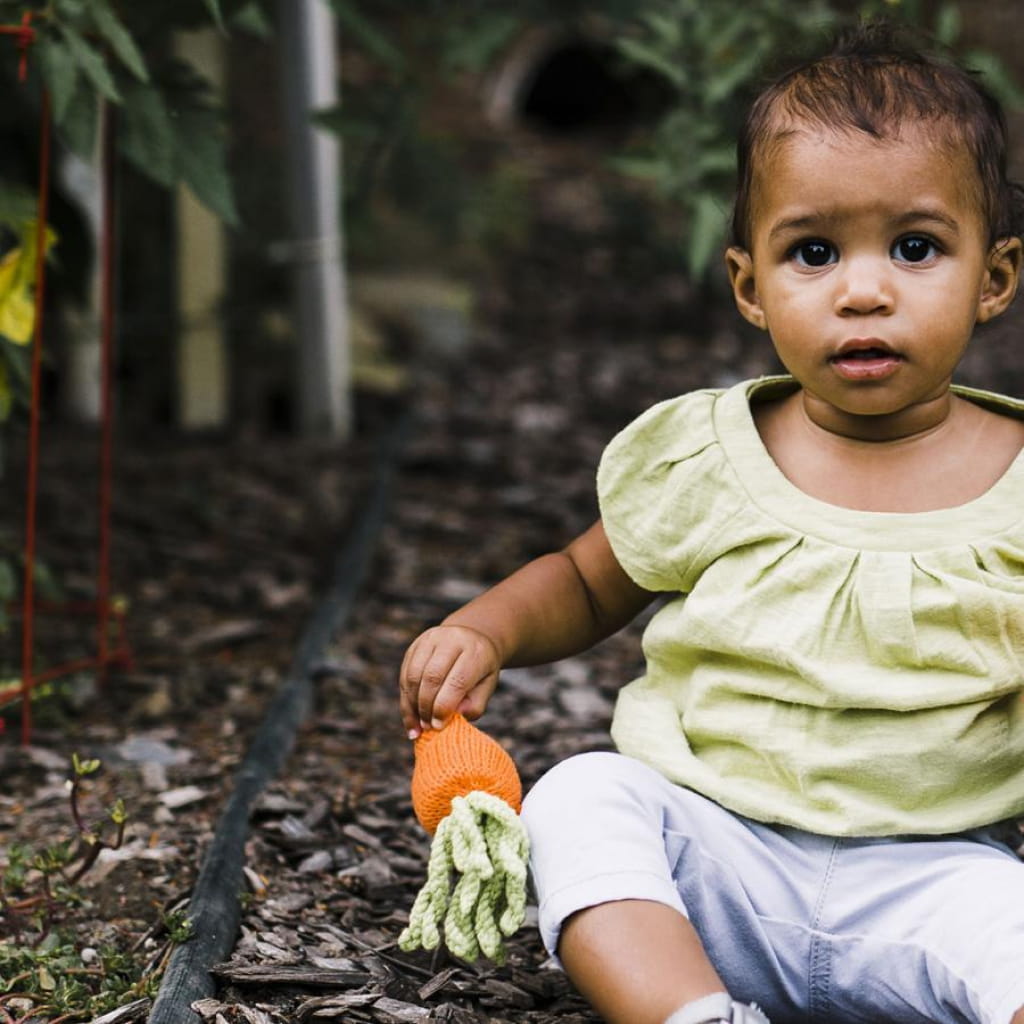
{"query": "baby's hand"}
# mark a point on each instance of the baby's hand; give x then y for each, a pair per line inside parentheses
(446, 669)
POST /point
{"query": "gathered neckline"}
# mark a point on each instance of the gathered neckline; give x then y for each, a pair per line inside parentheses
(991, 513)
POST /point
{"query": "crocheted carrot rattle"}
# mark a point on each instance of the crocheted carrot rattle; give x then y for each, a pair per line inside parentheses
(467, 794)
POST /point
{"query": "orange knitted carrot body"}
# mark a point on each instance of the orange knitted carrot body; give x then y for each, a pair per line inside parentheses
(455, 761)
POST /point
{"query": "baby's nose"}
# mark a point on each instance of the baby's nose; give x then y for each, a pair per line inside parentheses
(864, 285)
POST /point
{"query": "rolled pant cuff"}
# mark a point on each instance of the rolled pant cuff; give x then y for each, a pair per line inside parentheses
(604, 888)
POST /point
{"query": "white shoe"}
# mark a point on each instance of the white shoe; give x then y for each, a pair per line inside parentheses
(718, 1009)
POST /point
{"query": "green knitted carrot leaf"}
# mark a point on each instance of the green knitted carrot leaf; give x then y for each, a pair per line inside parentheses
(475, 892)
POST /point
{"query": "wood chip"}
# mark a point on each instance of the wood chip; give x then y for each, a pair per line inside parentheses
(333, 1007)
(437, 983)
(290, 974)
(394, 1011)
(223, 634)
(174, 799)
(126, 1014)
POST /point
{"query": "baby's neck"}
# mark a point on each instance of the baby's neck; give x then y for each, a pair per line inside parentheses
(949, 460)
(905, 426)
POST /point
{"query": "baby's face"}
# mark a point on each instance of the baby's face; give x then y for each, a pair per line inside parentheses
(870, 265)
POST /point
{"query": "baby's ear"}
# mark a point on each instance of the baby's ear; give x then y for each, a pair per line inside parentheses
(1001, 278)
(744, 288)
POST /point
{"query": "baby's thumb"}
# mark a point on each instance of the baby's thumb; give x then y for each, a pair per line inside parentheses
(473, 705)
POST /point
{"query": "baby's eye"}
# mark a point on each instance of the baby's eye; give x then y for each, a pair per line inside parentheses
(914, 249)
(813, 254)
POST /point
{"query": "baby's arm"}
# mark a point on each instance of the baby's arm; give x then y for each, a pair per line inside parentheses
(555, 606)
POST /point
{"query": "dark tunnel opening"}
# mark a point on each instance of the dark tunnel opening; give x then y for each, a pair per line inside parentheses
(581, 86)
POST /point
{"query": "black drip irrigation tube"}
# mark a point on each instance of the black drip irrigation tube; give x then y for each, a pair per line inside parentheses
(215, 908)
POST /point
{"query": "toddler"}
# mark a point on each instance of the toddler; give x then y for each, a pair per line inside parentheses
(810, 814)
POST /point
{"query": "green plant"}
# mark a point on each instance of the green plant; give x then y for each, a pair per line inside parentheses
(411, 180)
(89, 50)
(712, 56)
(178, 925)
(83, 54)
(709, 54)
(41, 958)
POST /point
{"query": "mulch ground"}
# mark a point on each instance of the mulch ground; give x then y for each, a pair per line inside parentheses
(223, 548)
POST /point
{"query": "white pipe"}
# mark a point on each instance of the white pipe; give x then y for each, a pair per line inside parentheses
(313, 158)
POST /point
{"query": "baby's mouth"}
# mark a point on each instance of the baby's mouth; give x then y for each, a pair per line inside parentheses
(865, 353)
(866, 359)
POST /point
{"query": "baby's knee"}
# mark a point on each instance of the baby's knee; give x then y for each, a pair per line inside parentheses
(587, 784)
(595, 827)
(577, 776)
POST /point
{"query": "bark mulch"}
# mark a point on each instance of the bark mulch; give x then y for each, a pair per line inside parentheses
(223, 548)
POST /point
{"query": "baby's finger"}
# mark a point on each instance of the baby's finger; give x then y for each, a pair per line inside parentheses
(442, 670)
(474, 703)
(410, 677)
(462, 678)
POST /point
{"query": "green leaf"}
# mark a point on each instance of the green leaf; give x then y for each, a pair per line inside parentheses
(666, 28)
(113, 31)
(646, 168)
(346, 123)
(367, 36)
(60, 73)
(202, 164)
(91, 63)
(174, 134)
(948, 24)
(18, 203)
(707, 232)
(147, 135)
(475, 48)
(253, 19)
(734, 29)
(78, 127)
(46, 582)
(647, 57)
(84, 766)
(730, 76)
(997, 77)
(18, 361)
(6, 405)
(714, 161)
(213, 6)
(69, 9)
(8, 581)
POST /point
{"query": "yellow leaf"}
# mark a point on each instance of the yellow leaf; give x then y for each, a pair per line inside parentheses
(17, 285)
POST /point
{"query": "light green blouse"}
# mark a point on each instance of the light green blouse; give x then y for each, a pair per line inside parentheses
(846, 672)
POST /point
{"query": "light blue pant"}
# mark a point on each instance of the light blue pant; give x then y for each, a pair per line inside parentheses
(810, 927)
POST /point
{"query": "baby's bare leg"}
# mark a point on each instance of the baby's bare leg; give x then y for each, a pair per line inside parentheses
(636, 961)
(1018, 1017)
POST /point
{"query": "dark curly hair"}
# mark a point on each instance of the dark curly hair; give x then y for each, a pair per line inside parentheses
(875, 79)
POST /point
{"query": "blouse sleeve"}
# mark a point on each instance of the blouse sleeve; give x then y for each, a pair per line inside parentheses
(666, 492)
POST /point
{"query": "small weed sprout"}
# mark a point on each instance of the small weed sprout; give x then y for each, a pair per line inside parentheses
(39, 957)
(178, 925)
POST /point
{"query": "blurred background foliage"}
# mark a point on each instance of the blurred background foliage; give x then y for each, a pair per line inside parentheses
(678, 74)
(697, 62)
(419, 186)
(84, 53)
